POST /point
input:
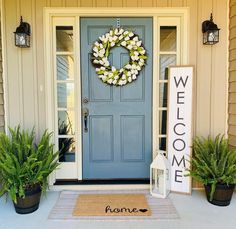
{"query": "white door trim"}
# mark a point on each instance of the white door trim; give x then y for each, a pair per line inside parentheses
(155, 13)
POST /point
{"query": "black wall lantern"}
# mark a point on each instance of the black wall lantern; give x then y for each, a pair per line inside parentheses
(22, 35)
(210, 32)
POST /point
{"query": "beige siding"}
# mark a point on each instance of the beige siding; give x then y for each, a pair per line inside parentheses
(25, 68)
(2, 122)
(232, 73)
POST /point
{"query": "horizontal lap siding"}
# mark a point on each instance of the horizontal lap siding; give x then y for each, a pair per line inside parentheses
(232, 74)
(26, 83)
(2, 122)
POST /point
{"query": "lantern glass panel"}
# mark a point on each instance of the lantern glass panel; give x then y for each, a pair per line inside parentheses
(158, 181)
(205, 35)
(167, 180)
(27, 41)
(22, 40)
(211, 37)
(216, 36)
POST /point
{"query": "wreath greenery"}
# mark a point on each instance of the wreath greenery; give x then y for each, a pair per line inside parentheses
(101, 50)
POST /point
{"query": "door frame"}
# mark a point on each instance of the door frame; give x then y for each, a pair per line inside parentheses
(155, 13)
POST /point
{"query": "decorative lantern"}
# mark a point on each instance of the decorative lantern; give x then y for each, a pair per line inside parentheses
(160, 176)
(210, 32)
(22, 35)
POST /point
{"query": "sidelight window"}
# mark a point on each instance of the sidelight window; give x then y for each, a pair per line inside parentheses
(168, 55)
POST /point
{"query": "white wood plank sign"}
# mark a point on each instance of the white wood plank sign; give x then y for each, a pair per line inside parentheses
(179, 132)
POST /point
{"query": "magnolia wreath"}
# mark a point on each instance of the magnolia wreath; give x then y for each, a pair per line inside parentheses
(129, 72)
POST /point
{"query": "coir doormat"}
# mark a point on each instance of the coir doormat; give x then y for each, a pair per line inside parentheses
(111, 205)
(160, 209)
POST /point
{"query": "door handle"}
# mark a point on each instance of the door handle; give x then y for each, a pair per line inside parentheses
(85, 114)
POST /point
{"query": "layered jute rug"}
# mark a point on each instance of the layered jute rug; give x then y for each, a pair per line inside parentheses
(112, 205)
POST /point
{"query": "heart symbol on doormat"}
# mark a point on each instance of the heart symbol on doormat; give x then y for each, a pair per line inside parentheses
(143, 210)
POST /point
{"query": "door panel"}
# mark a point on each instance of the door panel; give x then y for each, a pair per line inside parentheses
(132, 138)
(118, 142)
(101, 138)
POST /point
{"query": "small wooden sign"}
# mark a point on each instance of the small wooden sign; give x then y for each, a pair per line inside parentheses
(179, 131)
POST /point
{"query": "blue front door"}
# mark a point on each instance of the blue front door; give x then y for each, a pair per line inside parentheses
(118, 142)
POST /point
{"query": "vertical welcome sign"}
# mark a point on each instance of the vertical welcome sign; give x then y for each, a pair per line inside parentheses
(179, 131)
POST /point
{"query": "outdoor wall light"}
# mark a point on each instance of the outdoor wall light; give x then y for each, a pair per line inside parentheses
(210, 32)
(22, 35)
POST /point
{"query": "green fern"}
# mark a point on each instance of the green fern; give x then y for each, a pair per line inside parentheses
(213, 162)
(24, 164)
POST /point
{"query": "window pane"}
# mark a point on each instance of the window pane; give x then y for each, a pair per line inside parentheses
(162, 122)
(65, 67)
(168, 38)
(162, 144)
(163, 87)
(64, 36)
(66, 122)
(165, 61)
(66, 149)
(65, 95)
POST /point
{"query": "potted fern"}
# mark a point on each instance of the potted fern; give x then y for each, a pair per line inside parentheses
(214, 165)
(25, 167)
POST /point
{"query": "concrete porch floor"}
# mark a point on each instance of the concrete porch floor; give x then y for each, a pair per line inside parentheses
(194, 211)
